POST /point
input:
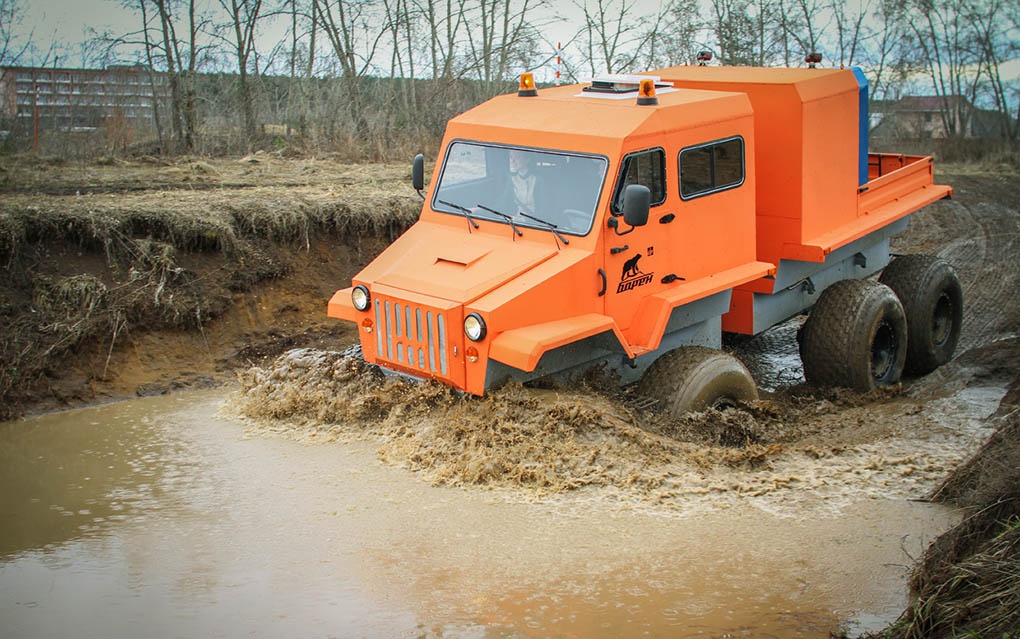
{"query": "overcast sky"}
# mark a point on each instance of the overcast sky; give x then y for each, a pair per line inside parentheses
(67, 22)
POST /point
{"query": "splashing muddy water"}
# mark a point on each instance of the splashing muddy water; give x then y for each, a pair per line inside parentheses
(796, 448)
(173, 515)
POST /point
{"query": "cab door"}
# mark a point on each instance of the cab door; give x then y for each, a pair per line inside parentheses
(637, 259)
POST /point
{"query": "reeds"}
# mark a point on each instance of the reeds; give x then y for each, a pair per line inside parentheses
(968, 582)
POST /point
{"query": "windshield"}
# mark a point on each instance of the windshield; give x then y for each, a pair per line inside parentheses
(521, 187)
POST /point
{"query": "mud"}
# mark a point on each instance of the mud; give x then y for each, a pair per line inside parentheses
(798, 448)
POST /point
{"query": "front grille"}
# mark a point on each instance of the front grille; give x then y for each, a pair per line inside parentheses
(411, 336)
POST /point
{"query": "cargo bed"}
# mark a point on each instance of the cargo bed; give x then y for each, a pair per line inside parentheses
(897, 186)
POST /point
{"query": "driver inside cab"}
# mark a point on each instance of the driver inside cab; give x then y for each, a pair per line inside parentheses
(523, 183)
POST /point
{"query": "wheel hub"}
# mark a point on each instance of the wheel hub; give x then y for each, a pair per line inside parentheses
(942, 320)
(883, 350)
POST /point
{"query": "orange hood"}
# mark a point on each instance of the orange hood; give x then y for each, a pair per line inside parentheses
(451, 264)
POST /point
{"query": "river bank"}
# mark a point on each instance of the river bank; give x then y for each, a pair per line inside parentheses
(135, 278)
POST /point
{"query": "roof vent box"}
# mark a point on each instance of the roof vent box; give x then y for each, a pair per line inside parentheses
(616, 84)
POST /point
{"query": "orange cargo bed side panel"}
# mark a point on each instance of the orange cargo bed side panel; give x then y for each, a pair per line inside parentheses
(880, 202)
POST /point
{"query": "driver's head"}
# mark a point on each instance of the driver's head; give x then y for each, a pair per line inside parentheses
(519, 162)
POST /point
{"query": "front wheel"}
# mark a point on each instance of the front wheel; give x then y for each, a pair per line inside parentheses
(856, 337)
(933, 301)
(694, 378)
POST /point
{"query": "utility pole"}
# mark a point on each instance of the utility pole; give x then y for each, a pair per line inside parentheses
(35, 114)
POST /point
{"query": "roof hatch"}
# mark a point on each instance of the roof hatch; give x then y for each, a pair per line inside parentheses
(621, 86)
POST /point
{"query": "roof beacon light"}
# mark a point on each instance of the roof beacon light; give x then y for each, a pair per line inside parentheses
(812, 59)
(704, 57)
(527, 87)
(646, 93)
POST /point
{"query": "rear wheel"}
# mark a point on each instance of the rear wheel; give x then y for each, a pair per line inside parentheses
(856, 336)
(932, 298)
(693, 378)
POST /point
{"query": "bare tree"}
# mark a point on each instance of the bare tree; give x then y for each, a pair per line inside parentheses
(162, 20)
(353, 30)
(613, 35)
(292, 84)
(12, 47)
(808, 25)
(943, 39)
(734, 30)
(244, 17)
(678, 38)
(753, 32)
(304, 21)
(849, 21)
(884, 52)
(994, 23)
(445, 21)
(501, 39)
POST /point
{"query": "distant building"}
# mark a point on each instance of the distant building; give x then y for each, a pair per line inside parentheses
(933, 117)
(80, 99)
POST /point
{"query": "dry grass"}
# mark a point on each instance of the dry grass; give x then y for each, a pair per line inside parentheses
(973, 595)
(220, 221)
(968, 583)
(162, 245)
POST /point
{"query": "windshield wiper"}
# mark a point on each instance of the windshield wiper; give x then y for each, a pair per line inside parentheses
(506, 217)
(552, 227)
(463, 209)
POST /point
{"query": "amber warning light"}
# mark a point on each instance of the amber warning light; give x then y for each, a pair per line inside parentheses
(646, 93)
(527, 87)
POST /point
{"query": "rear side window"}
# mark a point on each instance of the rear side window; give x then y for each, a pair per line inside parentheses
(647, 168)
(712, 167)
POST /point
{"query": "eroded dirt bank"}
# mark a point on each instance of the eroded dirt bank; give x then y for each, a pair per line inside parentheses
(127, 278)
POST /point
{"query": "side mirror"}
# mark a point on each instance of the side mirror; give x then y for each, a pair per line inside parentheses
(636, 202)
(418, 173)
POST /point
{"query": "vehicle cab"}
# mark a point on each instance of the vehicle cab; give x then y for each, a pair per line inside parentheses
(601, 222)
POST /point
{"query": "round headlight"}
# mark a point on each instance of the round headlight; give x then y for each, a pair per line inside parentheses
(474, 327)
(360, 298)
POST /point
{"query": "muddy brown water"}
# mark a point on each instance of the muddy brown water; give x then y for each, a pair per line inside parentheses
(165, 515)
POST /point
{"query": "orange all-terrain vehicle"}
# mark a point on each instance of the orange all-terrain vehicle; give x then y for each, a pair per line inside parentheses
(629, 222)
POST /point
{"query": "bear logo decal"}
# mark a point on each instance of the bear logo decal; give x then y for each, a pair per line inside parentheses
(632, 276)
(630, 267)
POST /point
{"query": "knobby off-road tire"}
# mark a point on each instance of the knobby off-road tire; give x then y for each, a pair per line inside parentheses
(856, 337)
(693, 378)
(932, 298)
